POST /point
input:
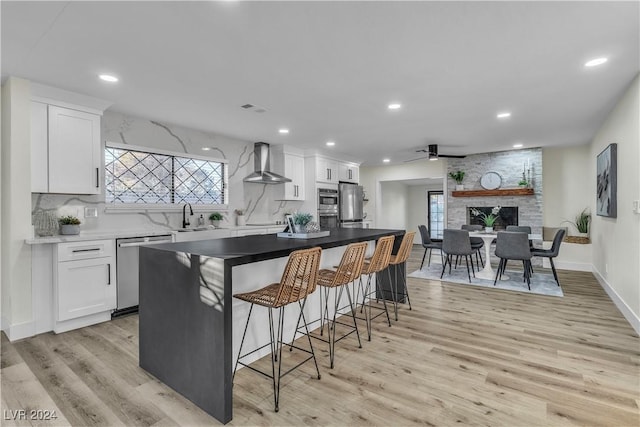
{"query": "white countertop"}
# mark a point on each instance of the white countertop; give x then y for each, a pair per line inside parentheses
(118, 234)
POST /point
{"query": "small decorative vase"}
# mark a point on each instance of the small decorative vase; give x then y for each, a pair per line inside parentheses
(240, 220)
(69, 229)
(459, 187)
(215, 223)
(488, 229)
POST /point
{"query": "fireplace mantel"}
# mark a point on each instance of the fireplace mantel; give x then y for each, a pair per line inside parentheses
(490, 193)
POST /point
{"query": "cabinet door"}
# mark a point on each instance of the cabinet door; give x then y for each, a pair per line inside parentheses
(348, 172)
(294, 169)
(326, 170)
(86, 287)
(74, 151)
(39, 148)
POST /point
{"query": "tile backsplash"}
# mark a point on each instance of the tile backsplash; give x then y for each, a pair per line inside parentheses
(257, 200)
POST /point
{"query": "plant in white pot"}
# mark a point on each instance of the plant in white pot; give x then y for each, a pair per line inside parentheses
(215, 219)
(487, 219)
(69, 225)
(458, 177)
(300, 221)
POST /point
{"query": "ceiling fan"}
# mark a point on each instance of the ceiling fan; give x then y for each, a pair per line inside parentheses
(432, 154)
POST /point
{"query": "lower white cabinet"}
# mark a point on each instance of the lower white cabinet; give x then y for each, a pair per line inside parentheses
(84, 283)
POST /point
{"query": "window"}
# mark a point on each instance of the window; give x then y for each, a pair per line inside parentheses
(436, 214)
(140, 177)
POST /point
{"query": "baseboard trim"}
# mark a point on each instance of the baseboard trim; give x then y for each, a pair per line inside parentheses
(20, 330)
(628, 314)
(81, 322)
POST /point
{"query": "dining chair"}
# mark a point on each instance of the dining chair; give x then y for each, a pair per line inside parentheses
(428, 245)
(476, 242)
(457, 242)
(553, 252)
(299, 279)
(513, 245)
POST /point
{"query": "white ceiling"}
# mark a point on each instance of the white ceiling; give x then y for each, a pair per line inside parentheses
(327, 70)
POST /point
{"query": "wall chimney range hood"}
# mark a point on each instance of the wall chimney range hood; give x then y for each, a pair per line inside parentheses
(262, 174)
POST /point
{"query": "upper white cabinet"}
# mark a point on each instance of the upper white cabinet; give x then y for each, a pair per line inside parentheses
(326, 170)
(65, 146)
(285, 161)
(349, 172)
(66, 153)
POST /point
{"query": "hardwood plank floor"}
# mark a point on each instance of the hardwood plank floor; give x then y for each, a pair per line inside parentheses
(463, 355)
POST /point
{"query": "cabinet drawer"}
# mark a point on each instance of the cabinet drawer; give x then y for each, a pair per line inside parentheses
(85, 250)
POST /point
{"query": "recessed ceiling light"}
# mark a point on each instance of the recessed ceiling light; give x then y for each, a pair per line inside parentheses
(206, 148)
(108, 78)
(517, 145)
(283, 130)
(386, 160)
(394, 106)
(594, 62)
(330, 143)
(503, 115)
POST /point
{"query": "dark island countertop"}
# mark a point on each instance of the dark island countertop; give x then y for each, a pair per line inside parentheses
(248, 249)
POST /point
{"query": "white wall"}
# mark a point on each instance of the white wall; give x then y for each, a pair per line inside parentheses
(566, 192)
(417, 208)
(394, 201)
(371, 178)
(616, 241)
(16, 207)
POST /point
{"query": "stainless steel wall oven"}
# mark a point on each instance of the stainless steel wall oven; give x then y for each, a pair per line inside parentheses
(328, 208)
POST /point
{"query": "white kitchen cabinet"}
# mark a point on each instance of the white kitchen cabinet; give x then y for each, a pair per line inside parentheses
(291, 165)
(84, 283)
(349, 172)
(326, 170)
(65, 150)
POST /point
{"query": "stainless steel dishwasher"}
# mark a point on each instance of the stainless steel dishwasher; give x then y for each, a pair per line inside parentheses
(127, 270)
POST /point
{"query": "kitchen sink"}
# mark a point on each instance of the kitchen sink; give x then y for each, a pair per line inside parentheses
(183, 230)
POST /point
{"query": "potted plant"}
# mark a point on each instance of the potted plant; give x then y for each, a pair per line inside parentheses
(582, 221)
(215, 219)
(240, 217)
(489, 219)
(458, 176)
(69, 225)
(300, 221)
(523, 183)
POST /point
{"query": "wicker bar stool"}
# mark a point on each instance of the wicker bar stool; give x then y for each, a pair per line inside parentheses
(299, 279)
(348, 271)
(401, 257)
(377, 263)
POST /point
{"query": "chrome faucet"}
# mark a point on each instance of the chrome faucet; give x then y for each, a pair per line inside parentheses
(185, 220)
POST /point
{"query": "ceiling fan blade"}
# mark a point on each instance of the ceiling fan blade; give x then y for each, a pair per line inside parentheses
(451, 156)
(417, 158)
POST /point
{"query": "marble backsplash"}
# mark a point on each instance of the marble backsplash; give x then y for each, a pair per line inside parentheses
(257, 200)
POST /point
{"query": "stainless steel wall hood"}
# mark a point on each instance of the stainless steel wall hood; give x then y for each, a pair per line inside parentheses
(261, 174)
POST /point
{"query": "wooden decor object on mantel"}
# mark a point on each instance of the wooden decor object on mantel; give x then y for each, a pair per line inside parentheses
(488, 193)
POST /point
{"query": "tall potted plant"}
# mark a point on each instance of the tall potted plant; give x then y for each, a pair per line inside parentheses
(458, 177)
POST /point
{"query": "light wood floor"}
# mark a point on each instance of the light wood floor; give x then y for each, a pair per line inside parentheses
(463, 355)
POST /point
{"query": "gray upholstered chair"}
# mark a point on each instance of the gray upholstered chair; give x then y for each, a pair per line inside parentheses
(456, 242)
(476, 242)
(513, 245)
(428, 244)
(522, 229)
(553, 252)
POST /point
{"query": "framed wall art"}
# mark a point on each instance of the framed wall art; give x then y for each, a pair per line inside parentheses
(607, 180)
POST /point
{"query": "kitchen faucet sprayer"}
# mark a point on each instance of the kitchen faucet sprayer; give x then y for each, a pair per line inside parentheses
(185, 220)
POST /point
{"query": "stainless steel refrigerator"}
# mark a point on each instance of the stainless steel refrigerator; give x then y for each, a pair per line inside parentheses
(350, 205)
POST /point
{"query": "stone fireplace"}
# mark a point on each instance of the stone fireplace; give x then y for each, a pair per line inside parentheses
(508, 215)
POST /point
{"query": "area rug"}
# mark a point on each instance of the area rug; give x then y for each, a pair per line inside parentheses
(541, 283)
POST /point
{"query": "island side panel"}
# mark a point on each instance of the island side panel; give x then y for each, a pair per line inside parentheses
(185, 331)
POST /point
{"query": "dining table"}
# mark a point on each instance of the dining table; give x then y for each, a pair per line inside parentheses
(487, 237)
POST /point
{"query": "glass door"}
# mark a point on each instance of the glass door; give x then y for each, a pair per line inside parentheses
(435, 214)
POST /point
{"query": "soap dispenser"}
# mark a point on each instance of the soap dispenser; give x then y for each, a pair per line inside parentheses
(201, 220)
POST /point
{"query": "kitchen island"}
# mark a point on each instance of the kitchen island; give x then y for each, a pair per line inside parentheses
(190, 326)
